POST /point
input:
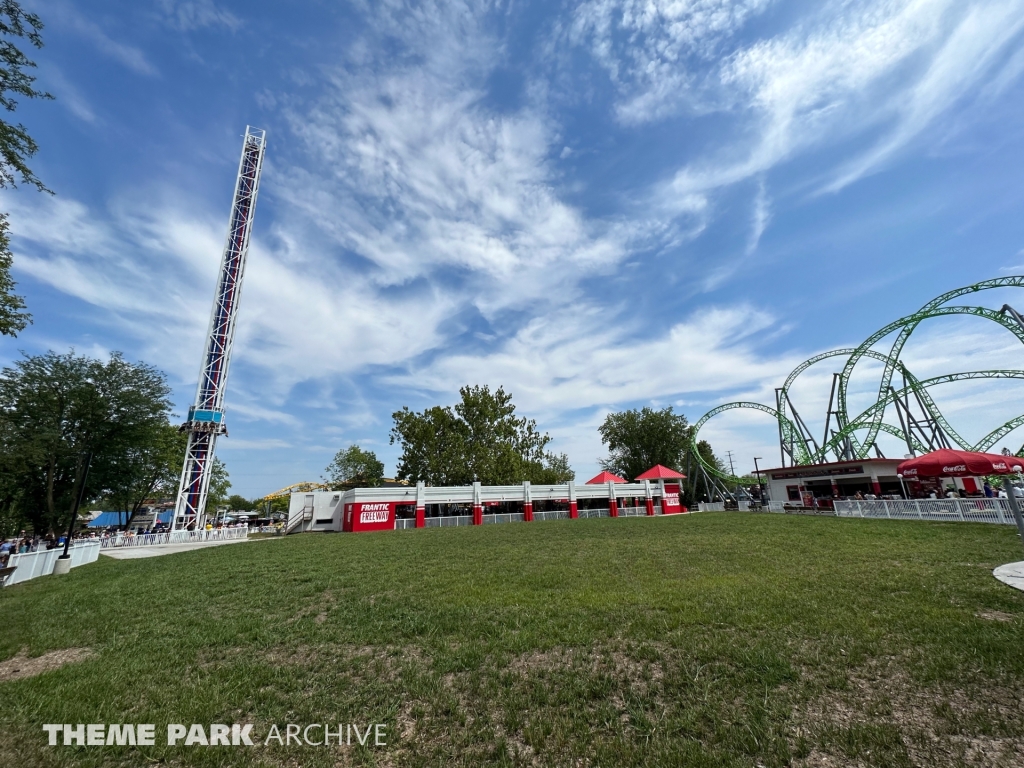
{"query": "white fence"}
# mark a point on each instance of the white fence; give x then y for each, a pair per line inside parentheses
(175, 537)
(33, 564)
(967, 510)
(719, 506)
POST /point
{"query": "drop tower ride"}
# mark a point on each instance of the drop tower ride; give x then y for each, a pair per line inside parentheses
(206, 418)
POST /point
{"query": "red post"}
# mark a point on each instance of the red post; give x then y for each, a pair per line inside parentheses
(613, 507)
(876, 487)
(574, 511)
(527, 511)
(421, 517)
(478, 515)
(650, 506)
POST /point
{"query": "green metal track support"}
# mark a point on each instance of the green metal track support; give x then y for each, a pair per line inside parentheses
(871, 420)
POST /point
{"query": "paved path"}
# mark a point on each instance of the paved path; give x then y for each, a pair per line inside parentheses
(1012, 574)
(132, 553)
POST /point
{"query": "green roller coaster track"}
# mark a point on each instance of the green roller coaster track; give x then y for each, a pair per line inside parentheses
(872, 419)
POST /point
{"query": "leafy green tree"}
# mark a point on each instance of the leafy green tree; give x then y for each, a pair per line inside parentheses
(555, 470)
(149, 469)
(353, 467)
(53, 408)
(16, 146)
(220, 484)
(238, 503)
(639, 439)
(481, 438)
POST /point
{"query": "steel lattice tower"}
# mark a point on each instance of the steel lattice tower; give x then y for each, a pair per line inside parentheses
(206, 417)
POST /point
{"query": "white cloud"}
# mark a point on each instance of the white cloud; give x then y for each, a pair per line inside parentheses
(128, 55)
(188, 15)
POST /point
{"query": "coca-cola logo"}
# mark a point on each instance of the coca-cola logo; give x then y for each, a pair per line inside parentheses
(955, 468)
(999, 465)
(907, 472)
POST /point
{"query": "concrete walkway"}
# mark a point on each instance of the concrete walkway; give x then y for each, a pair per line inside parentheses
(132, 553)
(1012, 574)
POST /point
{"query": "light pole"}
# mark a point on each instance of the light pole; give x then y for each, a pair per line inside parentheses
(760, 485)
(905, 495)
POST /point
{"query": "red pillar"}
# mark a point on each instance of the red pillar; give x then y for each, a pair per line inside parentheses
(421, 517)
(478, 515)
(574, 511)
(527, 511)
(650, 506)
(613, 507)
(876, 488)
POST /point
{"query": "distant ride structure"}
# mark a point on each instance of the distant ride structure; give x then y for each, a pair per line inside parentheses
(205, 421)
(920, 424)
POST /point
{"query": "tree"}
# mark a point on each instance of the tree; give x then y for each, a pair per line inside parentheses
(53, 408)
(555, 470)
(220, 484)
(353, 467)
(481, 439)
(639, 439)
(16, 146)
(238, 503)
(148, 469)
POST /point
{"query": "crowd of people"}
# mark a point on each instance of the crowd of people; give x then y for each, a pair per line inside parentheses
(25, 543)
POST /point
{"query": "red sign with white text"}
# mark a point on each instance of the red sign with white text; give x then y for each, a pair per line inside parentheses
(369, 516)
(670, 504)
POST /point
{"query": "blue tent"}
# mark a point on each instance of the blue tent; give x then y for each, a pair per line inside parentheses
(108, 519)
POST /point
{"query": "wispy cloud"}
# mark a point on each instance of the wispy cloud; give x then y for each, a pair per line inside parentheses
(188, 15)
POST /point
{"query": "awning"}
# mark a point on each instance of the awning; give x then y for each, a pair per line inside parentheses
(604, 477)
(950, 463)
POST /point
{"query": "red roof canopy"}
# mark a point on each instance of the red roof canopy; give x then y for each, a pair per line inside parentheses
(658, 472)
(949, 463)
(604, 477)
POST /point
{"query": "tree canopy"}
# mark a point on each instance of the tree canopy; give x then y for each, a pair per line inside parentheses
(353, 467)
(16, 145)
(481, 439)
(639, 439)
(54, 407)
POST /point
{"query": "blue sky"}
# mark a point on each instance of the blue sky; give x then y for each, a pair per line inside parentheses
(598, 205)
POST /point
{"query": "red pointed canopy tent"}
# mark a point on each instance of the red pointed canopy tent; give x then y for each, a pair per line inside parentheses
(670, 502)
(604, 477)
(658, 472)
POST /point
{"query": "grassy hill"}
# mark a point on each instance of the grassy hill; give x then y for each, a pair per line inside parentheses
(720, 639)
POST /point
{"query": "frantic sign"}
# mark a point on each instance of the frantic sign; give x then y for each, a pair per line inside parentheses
(369, 516)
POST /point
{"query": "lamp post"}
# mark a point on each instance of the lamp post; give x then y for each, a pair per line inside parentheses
(760, 485)
(905, 495)
(63, 564)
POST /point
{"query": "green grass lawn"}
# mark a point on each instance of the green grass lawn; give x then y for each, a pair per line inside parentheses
(719, 639)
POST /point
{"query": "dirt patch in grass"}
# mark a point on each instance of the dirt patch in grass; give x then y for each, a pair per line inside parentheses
(995, 616)
(24, 666)
(883, 718)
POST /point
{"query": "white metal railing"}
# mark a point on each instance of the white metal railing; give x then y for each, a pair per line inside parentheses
(599, 512)
(40, 563)
(402, 523)
(557, 514)
(504, 517)
(173, 537)
(448, 522)
(966, 510)
(633, 511)
(711, 506)
(719, 506)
